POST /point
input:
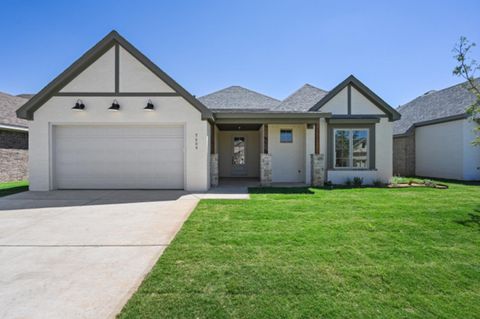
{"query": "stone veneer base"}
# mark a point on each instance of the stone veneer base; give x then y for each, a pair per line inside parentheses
(265, 169)
(318, 169)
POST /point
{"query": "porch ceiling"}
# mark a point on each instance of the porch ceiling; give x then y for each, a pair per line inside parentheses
(239, 127)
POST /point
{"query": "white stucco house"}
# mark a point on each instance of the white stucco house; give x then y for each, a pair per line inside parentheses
(115, 120)
(435, 134)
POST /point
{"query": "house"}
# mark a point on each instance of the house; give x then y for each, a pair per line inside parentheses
(13, 140)
(113, 119)
(434, 136)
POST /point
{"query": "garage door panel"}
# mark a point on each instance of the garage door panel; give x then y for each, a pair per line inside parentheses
(119, 157)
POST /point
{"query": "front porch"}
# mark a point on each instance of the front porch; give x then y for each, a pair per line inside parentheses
(266, 149)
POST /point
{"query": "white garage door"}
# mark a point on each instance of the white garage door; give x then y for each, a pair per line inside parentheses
(118, 157)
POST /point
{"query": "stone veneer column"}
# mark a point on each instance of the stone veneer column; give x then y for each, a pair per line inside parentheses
(214, 170)
(318, 169)
(265, 169)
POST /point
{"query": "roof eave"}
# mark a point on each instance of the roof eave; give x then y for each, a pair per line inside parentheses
(12, 127)
(445, 119)
(284, 115)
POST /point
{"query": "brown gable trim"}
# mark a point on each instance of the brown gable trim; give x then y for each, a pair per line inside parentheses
(206, 113)
(393, 115)
(116, 94)
(27, 110)
(259, 115)
(117, 68)
(113, 38)
(353, 121)
(349, 99)
(356, 118)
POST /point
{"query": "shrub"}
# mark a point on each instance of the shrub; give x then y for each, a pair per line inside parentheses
(399, 180)
(328, 184)
(430, 183)
(348, 182)
(377, 183)
(357, 181)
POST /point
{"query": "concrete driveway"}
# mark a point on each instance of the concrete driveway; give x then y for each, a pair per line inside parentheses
(81, 254)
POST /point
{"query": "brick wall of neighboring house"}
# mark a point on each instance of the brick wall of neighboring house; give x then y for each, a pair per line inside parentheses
(13, 156)
(404, 155)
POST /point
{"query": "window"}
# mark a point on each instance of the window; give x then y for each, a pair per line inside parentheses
(286, 136)
(351, 148)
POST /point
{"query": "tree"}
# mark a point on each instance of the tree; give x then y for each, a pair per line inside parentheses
(466, 69)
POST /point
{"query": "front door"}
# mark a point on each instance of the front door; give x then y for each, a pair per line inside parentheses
(239, 157)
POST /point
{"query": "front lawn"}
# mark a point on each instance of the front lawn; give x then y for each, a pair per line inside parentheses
(8, 188)
(344, 253)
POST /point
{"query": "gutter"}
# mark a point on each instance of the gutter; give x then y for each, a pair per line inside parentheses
(10, 127)
(271, 115)
(264, 117)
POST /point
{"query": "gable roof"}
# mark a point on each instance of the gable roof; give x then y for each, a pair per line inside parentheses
(8, 105)
(302, 99)
(237, 97)
(393, 115)
(27, 110)
(449, 103)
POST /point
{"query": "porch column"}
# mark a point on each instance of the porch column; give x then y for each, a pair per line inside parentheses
(317, 161)
(309, 150)
(317, 137)
(265, 161)
(318, 169)
(213, 158)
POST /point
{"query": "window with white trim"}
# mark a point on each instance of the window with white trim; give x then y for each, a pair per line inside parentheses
(350, 148)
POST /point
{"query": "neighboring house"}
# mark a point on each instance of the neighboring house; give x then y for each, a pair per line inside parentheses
(434, 137)
(115, 120)
(13, 140)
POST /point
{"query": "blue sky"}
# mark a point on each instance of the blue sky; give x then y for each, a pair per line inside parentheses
(400, 49)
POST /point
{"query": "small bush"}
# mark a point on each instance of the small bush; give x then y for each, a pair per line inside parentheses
(377, 183)
(348, 182)
(399, 180)
(430, 183)
(357, 181)
(328, 184)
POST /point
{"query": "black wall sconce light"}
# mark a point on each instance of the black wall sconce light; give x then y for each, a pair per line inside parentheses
(150, 106)
(79, 106)
(115, 106)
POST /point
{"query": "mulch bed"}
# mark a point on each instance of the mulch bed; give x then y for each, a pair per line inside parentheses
(414, 184)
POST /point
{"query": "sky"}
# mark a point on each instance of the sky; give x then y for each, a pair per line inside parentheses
(400, 49)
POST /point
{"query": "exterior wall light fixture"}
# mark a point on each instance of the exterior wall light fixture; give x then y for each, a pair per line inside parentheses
(115, 106)
(150, 106)
(79, 106)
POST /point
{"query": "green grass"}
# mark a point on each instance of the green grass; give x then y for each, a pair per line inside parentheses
(9, 188)
(309, 253)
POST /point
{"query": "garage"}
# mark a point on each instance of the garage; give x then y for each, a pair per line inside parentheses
(118, 157)
(115, 120)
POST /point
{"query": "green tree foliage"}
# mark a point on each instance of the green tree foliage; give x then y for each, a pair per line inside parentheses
(466, 68)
